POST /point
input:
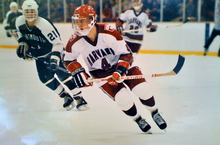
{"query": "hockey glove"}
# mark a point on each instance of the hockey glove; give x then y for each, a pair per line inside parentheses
(121, 70)
(8, 33)
(54, 60)
(152, 28)
(119, 28)
(7, 28)
(79, 74)
(22, 50)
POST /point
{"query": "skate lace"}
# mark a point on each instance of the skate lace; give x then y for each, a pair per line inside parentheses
(66, 99)
(80, 101)
(157, 118)
(142, 123)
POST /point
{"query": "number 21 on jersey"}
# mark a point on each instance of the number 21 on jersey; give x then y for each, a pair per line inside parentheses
(52, 35)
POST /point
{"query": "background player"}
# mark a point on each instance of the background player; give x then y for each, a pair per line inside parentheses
(9, 21)
(107, 55)
(216, 29)
(39, 38)
(134, 19)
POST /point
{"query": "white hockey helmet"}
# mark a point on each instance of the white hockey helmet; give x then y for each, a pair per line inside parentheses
(83, 19)
(13, 6)
(30, 10)
(137, 4)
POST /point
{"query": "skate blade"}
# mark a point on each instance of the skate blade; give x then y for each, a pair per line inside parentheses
(71, 106)
(149, 132)
(165, 130)
(83, 107)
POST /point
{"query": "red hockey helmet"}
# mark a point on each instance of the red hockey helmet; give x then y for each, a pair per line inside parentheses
(83, 19)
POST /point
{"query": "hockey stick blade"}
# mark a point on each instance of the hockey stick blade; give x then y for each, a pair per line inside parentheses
(187, 20)
(179, 25)
(179, 65)
(175, 71)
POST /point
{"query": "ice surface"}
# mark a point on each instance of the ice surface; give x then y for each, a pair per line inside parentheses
(32, 114)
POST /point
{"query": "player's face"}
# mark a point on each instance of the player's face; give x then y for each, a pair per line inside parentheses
(82, 23)
(136, 3)
(14, 9)
(30, 14)
(81, 26)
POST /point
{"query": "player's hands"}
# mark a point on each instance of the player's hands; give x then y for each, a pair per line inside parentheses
(121, 70)
(80, 78)
(119, 28)
(54, 60)
(22, 50)
(8, 34)
(115, 79)
(79, 75)
(152, 28)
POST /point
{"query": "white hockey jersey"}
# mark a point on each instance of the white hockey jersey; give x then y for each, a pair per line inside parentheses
(133, 21)
(103, 53)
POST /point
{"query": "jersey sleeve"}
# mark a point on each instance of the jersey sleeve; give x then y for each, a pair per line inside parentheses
(148, 20)
(19, 21)
(122, 17)
(70, 56)
(72, 50)
(5, 21)
(51, 34)
(116, 41)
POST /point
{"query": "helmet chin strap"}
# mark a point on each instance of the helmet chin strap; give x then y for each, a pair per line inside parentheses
(83, 32)
(31, 19)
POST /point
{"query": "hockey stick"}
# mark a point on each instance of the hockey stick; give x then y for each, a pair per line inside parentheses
(147, 29)
(187, 20)
(45, 62)
(175, 71)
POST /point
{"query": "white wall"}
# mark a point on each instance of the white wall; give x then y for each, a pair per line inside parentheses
(188, 37)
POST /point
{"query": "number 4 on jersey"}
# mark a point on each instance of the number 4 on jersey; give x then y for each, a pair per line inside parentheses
(105, 64)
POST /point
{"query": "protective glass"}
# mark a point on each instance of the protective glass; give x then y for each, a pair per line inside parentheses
(81, 26)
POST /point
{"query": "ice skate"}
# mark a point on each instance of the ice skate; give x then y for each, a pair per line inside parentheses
(219, 52)
(158, 119)
(81, 103)
(68, 102)
(144, 126)
(205, 52)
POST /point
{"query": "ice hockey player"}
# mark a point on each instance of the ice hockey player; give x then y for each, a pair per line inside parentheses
(108, 56)
(9, 21)
(38, 38)
(216, 29)
(134, 21)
